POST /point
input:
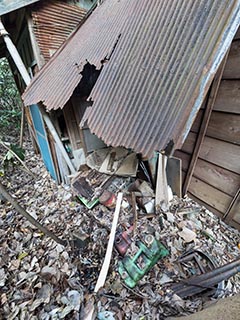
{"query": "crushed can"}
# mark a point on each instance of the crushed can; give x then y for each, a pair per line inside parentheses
(133, 269)
(108, 199)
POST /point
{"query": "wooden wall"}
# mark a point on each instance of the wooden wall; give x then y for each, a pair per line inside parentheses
(216, 177)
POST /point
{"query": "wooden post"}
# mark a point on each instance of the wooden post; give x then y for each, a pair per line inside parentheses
(204, 124)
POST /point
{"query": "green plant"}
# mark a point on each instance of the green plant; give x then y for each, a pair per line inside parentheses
(10, 103)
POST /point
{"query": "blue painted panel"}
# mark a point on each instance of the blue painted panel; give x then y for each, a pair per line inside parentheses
(42, 140)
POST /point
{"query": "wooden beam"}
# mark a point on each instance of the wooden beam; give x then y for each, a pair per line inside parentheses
(231, 211)
(204, 124)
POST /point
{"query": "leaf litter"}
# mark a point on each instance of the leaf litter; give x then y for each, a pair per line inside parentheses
(40, 279)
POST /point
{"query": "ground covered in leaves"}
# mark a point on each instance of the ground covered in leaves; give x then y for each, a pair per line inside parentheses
(40, 279)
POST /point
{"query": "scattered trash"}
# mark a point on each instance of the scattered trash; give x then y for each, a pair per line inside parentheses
(162, 252)
(108, 199)
(118, 161)
(123, 241)
(187, 235)
(106, 315)
(206, 281)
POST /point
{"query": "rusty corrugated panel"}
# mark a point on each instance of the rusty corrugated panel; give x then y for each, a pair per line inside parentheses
(7, 6)
(92, 42)
(53, 21)
(156, 79)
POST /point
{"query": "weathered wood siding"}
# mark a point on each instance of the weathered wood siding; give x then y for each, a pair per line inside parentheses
(216, 177)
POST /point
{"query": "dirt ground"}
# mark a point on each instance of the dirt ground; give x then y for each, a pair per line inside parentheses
(225, 309)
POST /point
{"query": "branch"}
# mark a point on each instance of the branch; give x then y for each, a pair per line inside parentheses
(17, 157)
(33, 221)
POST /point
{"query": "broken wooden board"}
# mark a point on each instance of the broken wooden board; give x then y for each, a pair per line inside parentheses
(174, 175)
(162, 187)
(82, 187)
(117, 161)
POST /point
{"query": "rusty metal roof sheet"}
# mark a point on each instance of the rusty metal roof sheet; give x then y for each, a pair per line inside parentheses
(7, 6)
(53, 21)
(92, 42)
(156, 79)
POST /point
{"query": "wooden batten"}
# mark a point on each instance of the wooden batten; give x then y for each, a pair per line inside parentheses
(233, 211)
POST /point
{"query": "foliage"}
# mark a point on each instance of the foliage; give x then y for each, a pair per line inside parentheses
(10, 106)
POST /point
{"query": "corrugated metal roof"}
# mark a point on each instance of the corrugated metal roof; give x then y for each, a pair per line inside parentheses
(53, 21)
(92, 42)
(7, 6)
(151, 89)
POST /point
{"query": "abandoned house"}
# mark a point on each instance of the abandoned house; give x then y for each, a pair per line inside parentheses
(146, 75)
(38, 29)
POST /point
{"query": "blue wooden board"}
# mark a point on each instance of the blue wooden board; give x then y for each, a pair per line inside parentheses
(42, 139)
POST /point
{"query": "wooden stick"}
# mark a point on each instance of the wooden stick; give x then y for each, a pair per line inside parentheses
(135, 214)
(33, 221)
(232, 209)
(22, 126)
(104, 270)
(17, 157)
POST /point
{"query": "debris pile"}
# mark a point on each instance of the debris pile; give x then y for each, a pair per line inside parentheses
(157, 252)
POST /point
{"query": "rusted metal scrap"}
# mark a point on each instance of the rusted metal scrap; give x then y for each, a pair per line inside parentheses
(206, 281)
(198, 257)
